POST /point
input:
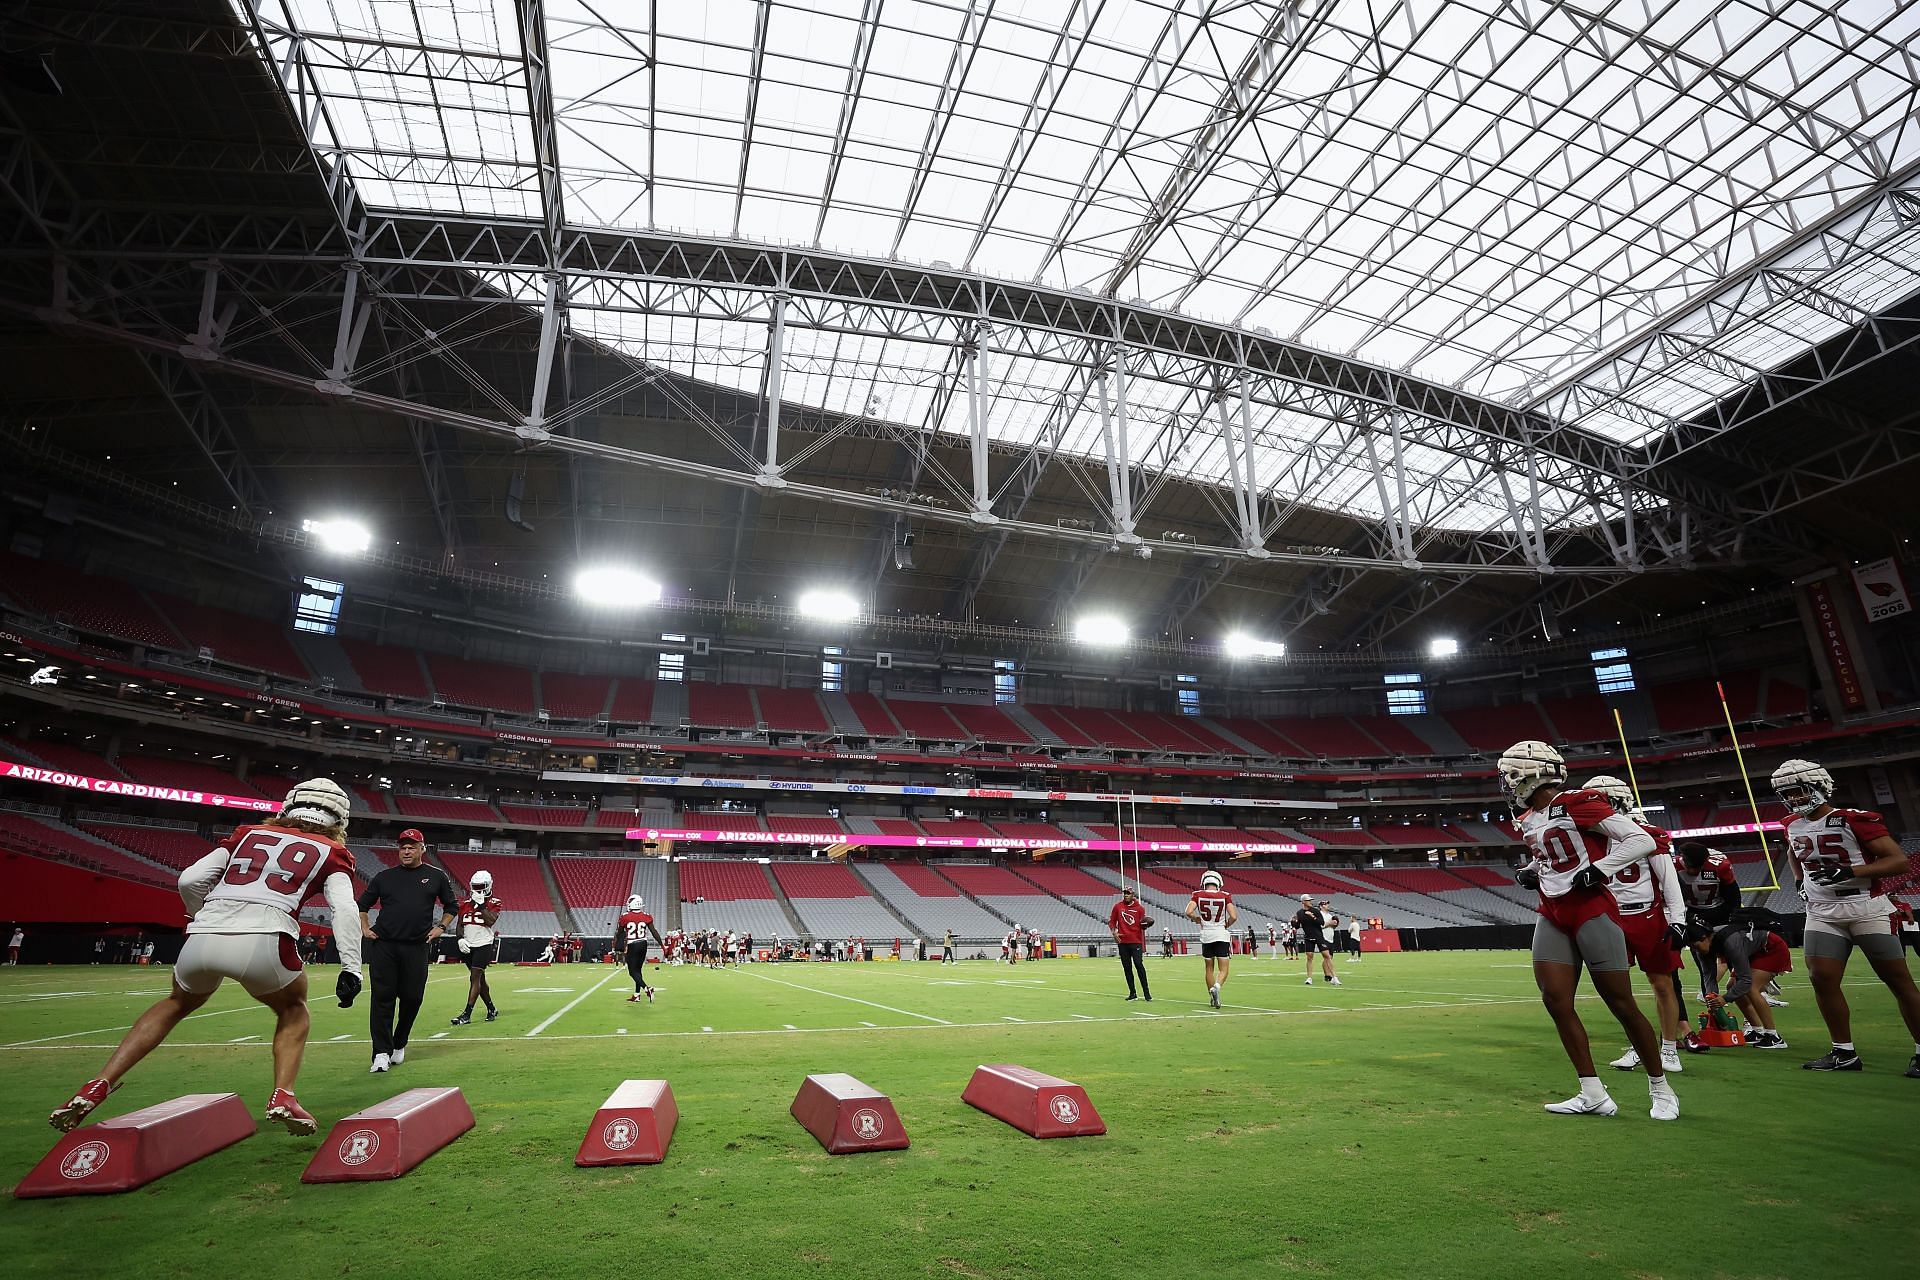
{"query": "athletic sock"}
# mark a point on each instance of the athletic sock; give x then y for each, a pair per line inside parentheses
(1590, 1087)
(1843, 1048)
(1669, 1046)
(1658, 1084)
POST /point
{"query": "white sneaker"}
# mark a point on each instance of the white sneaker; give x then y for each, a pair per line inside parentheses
(1333, 982)
(1670, 1060)
(1581, 1105)
(1773, 1000)
(1627, 1061)
(1666, 1103)
(397, 1057)
(381, 1062)
(1309, 981)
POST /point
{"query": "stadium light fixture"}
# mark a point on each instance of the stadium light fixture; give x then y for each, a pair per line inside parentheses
(1102, 630)
(1442, 647)
(612, 586)
(1241, 645)
(342, 537)
(825, 605)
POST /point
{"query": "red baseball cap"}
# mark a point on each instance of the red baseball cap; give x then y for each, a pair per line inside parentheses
(413, 834)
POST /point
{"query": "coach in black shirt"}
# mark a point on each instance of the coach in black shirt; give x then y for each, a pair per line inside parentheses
(398, 944)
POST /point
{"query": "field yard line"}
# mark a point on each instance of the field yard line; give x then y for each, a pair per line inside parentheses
(189, 1018)
(1071, 1020)
(856, 999)
(571, 1003)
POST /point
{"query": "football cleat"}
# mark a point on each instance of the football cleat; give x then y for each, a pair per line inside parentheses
(1581, 1105)
(286, 1109)
(1835, 1060)
(463, 1020)
(634, 998)
(1665, 1102)
(1694, 1044)
(1309, 981)
(492, 1014)
(649, 995)
(1333, 982)
(1913, 1068)
(397, 1057)
(380, 1063)
(1773, 999)
(1628, 1061)
(1767, 1040)
(1213, 996)
(1132, 995)
(94, 1092)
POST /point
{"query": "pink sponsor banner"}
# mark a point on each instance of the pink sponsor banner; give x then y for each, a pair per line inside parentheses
(138, 790)
(1733, 829)
(862, 840)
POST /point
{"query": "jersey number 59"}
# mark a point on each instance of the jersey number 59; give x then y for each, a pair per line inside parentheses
(285, 858)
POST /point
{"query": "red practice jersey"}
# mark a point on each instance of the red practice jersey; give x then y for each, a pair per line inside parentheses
(272, 867)
(1565, 837)
(1128, 920)
(631, 927)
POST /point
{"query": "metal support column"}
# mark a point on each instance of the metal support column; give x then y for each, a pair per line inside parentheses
(535, 427)
(770, 477)
(976, 369)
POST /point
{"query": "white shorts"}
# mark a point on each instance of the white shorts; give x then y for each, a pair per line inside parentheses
(1834, 939)
(262, 963)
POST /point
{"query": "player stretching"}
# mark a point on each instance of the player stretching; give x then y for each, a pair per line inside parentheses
(1578, 841)
(1653, 915)
(1837, 854)
(631, 932)
(243, 900)
(1211, 906)
(479, 944)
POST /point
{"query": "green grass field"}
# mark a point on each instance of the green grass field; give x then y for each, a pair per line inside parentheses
(1391, 1127)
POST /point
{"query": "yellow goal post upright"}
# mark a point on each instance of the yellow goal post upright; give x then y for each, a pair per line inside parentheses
(1753, 805)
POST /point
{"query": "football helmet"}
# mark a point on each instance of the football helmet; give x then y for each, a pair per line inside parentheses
(1618, 793)
(636, 903)
(1802, 786)
(319, 801)
(1528, 765)
(481, 885)
(1211, 880)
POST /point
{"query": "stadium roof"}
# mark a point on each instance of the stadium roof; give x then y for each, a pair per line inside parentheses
(1482, 288)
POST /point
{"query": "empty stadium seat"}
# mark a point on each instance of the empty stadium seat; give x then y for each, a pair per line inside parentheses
(989, 724)
(926, 720)
(571, 697)
(792, 711)
(722, 881)
(237, 638)
(543, 815)
(444, 807)
(720, 706)
(490, 685)
(85, 602)
(389, 670)
(632, 701)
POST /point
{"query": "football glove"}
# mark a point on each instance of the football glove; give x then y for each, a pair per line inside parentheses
(1589, 877)
(464, 946)
(1677, 936)
(1831, 875)
(1527, 877)
(346, 988)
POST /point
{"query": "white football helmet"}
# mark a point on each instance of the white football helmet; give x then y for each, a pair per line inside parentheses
(481, 885)
(1527, 766)
(1616, 791)
(319, 801)
(636, 903)
(1802, 786)
(1211, 880)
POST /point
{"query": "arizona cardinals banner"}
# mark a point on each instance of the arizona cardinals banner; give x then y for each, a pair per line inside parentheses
(1826, 620)
(1883, 590)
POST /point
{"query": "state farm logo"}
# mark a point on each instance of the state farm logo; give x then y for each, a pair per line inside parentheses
(359, 1147)
(620, 1134)
(867, 1124)
(1064, 1109)
(85, 1160)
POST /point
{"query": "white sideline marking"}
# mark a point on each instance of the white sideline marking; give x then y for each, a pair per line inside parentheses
(338, 1039)
(958, 1026)
(242, 1039)
(1084, 1017)
(706, 1028)
(1010, 1018)
(571, 1003)
(871, 1004)
(869, 1024)
(439, 1035)
(621, 1031)
(789, 1026)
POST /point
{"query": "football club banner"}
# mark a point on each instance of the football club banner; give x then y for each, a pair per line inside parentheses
(1826, 621)
(1883, 589)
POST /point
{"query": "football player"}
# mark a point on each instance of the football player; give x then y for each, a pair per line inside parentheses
(631, 932)
(243, 902)
(478, 943)
(1653, 916)
(1310, 935)
(1211, 907)
(1579, 842)
(1837, 855)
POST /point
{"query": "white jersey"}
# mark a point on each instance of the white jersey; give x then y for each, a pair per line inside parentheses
(1839, 839)
(1642, 886)
(256, 879)
(1212, 907)
(472, 924)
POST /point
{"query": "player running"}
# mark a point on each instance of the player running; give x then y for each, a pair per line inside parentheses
(478, 943)
(243, 900)
(1837, 855)
(1211, 906)
(1653, 915)
(631, 931)
(1578, 842)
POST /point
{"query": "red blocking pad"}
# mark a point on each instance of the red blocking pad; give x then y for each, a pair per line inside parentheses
(633, 1126)
(132, 1150)
(391, 1137)
(1037, 1104)
(848, 1116)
